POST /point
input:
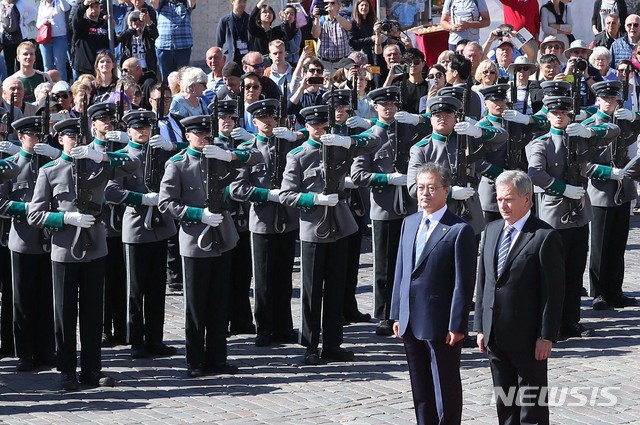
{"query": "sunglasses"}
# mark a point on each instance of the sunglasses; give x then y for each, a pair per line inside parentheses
(135, 19)
(416, 61)
(521, 68)
(125, 70)
(315, 71)
(633, 25)
(554, 46)
(257, 65)
(435, 76)
(61, 96)
(252, 86)
(623, 70)
(488, 72)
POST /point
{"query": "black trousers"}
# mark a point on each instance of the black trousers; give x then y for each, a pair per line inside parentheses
(522, 371)
(33, 307)
(174, 261)
(324, 268)
(77, 296)
(240, 315)
(386, 238)
(576, 243)
(206, 294)
(354, 242)
(115, 291)
(609, 234)
(434, 369)
(6, 306)
(146, 292)
(273, 256)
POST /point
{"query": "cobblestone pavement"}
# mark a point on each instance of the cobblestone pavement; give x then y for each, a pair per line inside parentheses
(274, 387)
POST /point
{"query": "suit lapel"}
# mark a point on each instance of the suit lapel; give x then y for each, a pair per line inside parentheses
(523, 239)
(437, 233)
(491, 243)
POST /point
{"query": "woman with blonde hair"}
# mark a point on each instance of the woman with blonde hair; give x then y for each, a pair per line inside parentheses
(444, 58)
(486, 75)
(106, 74)
(193, 82)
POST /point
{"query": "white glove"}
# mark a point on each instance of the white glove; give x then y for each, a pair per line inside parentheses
(159, 142)
(468, 129)
(460, 193)
(274, 195)
(515, 116)
(336, 140)
(575, 129)
(617, 173)
(407, 118)
(240, 133)
(150, 199)
(624, 114)
(10, 148)
(397, 179)
(82, 152)
(285, 133)
(582, 116)
(359, 122)
(216, 152)
(46, 150)
(212, 219)
(349, 184)
(471, 121)
(79, 220)
(117, 136)
(322, 199)
(573, 192)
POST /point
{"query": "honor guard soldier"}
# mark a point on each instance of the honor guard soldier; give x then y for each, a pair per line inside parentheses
(358, 199)
(144, 233)
(30, 259)
(240, 314)
(507, 156)
(444, 147)
(610, 193)
(273, 226)
(76, 181)
(390, 202)
(314, 182)
(188, 192)
(557, 165)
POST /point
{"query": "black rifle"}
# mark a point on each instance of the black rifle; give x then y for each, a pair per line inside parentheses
(514, 149)
(355, 200)
(83, 201)
(241, 213)
(619, 149)
(401, 144)
(5, 223)
(280, 161)
(120, 125)
(153, 169)
(573, 171)
(45, 131)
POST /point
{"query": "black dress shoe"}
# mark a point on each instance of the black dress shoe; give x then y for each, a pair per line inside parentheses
(623, 301)
(583, 292)
(222, 369)
(48, 361)
(107, 340)
(96, 379)
(576, 330)
(175, 287)
(24, 365)
(600, 303)
(357, 317)
(161, 350)
(290, 337)
(263, 340)
(384, 328)
(138, 352)
(242, 329)
(69, 382)
(337, 354)
(194, 371)
(311, 357)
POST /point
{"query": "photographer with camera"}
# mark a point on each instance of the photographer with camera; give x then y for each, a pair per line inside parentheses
(332, 32)
(578, 66)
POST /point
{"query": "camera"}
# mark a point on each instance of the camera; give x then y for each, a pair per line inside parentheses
(581, 64)
(504, 33)
(322, 6)
(387, 25)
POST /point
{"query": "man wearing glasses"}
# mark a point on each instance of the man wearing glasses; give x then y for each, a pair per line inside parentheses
(551, 45)
(305, 93)
(61, 94)
(624, 47)
(610, 33)
(332, 32)
(254, 62)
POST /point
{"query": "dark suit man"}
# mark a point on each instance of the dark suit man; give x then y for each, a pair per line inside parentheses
(432, 295)
(519, 296)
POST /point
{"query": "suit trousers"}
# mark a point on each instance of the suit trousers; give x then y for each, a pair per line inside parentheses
(434, 369)
(33, 307)
(273, 259)
(77, 296)
(609, 234)
(324, 267)
(386, 239)
(206, 295)
(6, 306)
(350, 307)
(240, 315)
(575, 242)
(115, 291)
(146, 289)
(522, 371)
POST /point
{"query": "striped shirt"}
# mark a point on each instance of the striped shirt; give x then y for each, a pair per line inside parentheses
(174, 26)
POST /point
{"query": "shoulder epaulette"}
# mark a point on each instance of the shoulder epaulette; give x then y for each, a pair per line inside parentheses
(49, 164)
(424, 142)
(176, 158)
(296, 150)
(12, 158)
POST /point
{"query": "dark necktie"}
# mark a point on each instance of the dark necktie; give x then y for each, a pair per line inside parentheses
(503, 249)
(421, 239)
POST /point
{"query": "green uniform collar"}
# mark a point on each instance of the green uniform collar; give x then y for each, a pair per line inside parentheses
(26, 154)
(135, 145)
(194, 152)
